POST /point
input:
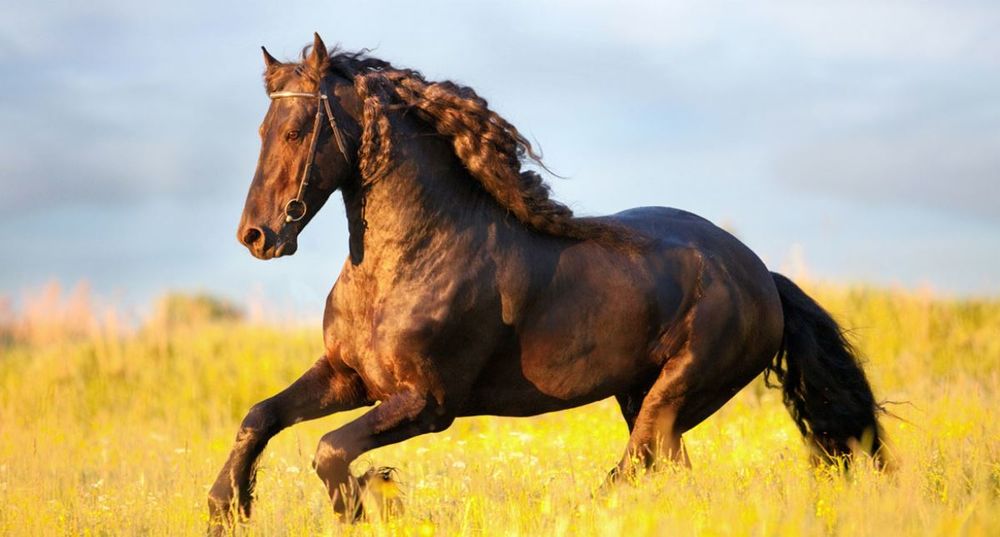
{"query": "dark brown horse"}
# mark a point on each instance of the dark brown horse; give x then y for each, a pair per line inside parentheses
(468, 291)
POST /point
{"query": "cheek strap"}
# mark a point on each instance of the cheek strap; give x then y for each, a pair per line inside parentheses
(296, 208)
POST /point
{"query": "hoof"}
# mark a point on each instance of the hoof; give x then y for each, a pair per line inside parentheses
(615, 477)
(220, 515)
(381, 494)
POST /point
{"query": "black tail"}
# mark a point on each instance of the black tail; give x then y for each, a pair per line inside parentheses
(823, 385)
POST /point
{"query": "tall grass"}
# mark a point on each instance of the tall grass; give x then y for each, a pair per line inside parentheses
(110, 427)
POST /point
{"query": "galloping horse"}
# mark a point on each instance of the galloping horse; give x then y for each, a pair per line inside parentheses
(468, 291)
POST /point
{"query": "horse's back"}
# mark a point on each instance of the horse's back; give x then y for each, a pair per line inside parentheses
(732, 284)
(671, 230)
(669, 227)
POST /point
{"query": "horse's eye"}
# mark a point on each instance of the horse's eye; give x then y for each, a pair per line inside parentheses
(292, 136)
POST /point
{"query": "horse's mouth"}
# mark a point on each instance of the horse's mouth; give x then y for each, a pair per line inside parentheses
(285, 248)
(280, 249)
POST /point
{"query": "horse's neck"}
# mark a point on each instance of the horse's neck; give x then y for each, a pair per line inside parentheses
(425, 207)
(430, 225)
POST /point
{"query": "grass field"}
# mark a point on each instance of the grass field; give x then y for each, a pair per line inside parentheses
(105, 434)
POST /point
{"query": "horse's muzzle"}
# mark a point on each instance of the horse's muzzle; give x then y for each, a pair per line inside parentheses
(265, 244)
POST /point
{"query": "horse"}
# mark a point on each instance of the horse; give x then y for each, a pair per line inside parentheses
(469, 291)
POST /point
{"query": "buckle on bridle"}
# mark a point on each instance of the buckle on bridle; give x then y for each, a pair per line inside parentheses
(295, 210)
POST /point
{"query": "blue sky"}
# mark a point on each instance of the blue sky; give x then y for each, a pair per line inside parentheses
(865, 135)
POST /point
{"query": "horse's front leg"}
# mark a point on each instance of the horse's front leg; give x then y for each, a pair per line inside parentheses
(398, 418)
(327, 387)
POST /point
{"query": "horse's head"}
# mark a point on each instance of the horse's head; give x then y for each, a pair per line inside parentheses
(308, 141)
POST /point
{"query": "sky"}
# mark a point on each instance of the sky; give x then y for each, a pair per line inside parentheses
(862, 137)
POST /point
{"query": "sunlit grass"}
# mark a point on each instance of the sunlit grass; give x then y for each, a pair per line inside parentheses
(105, 433)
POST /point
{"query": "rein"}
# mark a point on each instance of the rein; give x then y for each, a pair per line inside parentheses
(295, 209)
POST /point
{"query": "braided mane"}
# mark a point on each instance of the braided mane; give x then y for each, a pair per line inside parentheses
(490, 148)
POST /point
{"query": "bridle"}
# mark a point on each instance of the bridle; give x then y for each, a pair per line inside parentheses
(295, 209)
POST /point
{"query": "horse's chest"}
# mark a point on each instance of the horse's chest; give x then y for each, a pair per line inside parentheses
(385, 336)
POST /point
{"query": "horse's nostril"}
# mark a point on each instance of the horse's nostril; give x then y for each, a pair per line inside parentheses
(251, 236)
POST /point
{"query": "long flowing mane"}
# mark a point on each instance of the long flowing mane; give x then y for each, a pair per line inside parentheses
(491, 149)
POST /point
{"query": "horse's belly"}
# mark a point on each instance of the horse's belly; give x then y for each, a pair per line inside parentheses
(570, 368)
(511, 393)
(533, 377)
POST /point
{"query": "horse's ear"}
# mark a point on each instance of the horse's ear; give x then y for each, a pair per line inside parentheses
(269, 61)
(319, 57)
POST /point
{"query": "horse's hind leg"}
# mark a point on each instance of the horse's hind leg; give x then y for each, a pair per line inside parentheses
(713, 364)
(654, 435)
(320, 391)
(630, 403)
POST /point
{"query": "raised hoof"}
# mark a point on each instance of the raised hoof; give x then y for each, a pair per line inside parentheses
(381, 494)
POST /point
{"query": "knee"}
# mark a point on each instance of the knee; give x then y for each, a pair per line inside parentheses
(261, 419)
(333, 451)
